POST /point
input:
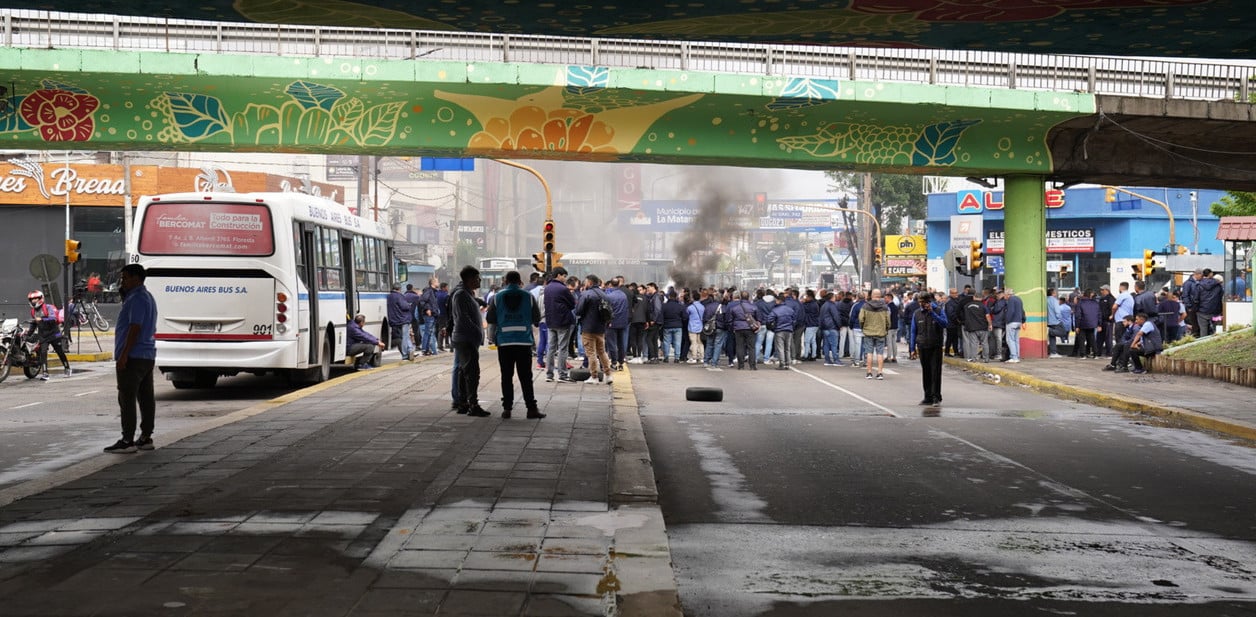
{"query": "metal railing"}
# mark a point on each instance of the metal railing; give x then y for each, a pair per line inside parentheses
(1187, 80)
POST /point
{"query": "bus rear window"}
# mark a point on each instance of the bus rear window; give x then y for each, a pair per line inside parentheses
(205, 228)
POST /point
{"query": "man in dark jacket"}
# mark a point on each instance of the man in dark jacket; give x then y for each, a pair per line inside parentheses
(764, 338)
(782, 322)
(617, 333)
(638, 313)
(976, 331)
(429, 312)
(845, 303)
(810, 324)
(744, 324)
(400, 313)
(672, 319)
(593, 330)
(1208, 295)
(1087, 319)
(467, 336)
(653, 321)
(416, 319)
(1107, 306)
(830, 326)
(925, 341)
(559, 320)
(955, 327)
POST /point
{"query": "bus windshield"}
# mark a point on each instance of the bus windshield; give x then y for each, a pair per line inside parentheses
(207, 228)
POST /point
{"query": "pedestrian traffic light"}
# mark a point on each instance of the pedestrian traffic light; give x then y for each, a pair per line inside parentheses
(547, 237)
(974, 256)
(1109, 195)
(72, 248)
(1149, 262)
(538, 262)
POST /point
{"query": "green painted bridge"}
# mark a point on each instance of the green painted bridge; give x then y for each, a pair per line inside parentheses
(123, 100)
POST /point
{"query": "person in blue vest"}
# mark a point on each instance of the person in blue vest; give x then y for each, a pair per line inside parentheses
(513, 313)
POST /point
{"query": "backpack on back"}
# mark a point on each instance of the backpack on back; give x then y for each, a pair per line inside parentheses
(604, 310)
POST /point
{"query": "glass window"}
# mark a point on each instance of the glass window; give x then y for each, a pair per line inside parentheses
(203, 228)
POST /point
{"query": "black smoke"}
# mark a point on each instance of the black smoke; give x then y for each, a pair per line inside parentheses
(715, 223)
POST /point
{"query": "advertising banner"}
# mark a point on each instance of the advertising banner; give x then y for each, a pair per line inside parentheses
(905, 245)
(1079, 240)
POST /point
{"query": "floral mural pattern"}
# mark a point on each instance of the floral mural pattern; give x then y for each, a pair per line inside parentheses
(57, 112)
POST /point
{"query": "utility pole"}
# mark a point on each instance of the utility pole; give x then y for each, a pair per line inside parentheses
(868, 271)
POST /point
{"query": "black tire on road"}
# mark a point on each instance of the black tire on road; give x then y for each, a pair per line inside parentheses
(579, 374)
(704, 394)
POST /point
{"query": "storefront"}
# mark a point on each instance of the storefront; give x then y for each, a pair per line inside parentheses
(35, 197)
(1090, 241)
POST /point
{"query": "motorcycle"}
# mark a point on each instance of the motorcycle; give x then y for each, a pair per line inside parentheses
(16, 349)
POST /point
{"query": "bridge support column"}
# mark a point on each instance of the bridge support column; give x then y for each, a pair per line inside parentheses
(1025, 257)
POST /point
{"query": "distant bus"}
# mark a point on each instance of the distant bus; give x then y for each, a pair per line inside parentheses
(258, 282)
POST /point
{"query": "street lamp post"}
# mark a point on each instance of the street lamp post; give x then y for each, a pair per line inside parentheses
(876, 271)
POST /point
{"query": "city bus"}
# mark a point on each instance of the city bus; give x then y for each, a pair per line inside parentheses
(259, 282)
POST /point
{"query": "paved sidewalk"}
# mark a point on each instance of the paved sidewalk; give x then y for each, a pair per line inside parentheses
(1191, 401)
(365, 496)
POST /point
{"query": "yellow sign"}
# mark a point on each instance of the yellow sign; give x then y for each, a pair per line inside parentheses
(905, 245)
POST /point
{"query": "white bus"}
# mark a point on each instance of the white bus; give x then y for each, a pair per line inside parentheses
(258, 282)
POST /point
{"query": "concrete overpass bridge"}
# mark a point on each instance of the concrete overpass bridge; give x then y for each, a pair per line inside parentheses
(107, 83)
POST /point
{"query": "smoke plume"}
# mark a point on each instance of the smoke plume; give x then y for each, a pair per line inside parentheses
(715, 224)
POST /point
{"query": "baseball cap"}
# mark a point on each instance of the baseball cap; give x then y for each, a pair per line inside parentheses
(1105, 287)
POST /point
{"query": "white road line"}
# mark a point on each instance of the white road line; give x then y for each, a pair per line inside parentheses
(848, 392)
(86, 393)
(28, 405)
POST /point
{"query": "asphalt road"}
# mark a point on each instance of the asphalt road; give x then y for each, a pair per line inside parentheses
(47, 426)
(817, 492)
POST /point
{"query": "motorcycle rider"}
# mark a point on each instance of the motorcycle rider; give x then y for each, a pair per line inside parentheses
(45, 319)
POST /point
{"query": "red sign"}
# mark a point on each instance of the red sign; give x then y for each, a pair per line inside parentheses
(200, 228)
(628, 187)
(975, 201)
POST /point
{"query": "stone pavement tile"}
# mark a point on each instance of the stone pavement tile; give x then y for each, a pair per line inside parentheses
(564, 606)
(73, 538)
(142, 561)
(399, 601)
(508, 514)
(27, 554)
(567, 583)
(35, 525)
(345, 532)
(274, 517)
(449, 527)
(418, 578)
(14, 539)
(98, 523)
(161, 543)
(217, 562)
(482, 603)
(517, 562)
(576, 546)
(464, 493)
(200, 528)
(580, 506)
(241, 544)
(427, 559)
(513, 528)
(461, 542)
(514, 493)
(507, 544)
(494, 580)
(458, 513)
(250, 528)
(524, 504)
(101, 579)
(308, 547)
(588, 564)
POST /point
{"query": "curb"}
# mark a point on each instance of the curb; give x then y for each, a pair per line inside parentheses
(647, 581)
(1176, 415)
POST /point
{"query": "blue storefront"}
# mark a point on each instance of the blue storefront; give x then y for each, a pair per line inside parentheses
(1090, 241)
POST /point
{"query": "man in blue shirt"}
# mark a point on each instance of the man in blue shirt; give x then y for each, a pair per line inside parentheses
(135, 353)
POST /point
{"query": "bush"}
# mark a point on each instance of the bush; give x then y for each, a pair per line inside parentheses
(1189, 338)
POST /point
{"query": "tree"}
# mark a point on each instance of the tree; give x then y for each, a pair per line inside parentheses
(1235, 203)
(894, 196)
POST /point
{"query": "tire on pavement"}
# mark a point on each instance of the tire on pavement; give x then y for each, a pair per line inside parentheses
(704, 393)
(579, 374)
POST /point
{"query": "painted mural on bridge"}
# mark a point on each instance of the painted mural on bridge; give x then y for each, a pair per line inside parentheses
(534, 111)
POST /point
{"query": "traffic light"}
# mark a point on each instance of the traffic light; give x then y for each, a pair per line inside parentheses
(554, 259)
(547, 237)
(1109, 195)
(1149, 262)
(974, 256)
(876, 255)
(72, 248)
(538, 262)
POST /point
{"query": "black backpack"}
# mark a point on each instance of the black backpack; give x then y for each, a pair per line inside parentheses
(604, 310)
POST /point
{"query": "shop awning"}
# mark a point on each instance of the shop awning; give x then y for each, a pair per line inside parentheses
(1237, 228)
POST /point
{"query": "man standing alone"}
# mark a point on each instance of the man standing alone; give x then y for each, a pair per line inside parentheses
(468, 335)
(1014, 314)
(135, 350)
(928, 327)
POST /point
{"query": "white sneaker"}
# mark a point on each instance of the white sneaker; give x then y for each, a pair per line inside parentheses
(1055, 355)
(636, 361)
(1013, 360)
(609, 380)
(593, 380)
(691, 361)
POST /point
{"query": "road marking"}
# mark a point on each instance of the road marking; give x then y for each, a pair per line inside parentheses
(86, 393)
(848, 392)
(28, 405)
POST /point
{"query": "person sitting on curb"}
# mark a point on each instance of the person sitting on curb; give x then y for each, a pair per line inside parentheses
(359, 341)
(1121, 351)
(1146, 343)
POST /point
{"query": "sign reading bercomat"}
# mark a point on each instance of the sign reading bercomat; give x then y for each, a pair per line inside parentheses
(905, 245)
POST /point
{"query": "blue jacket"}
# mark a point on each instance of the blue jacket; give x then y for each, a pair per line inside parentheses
(587, 311)
(514, 312)
(782, 318)
(738, 310)
(673, 314)
(762, 309)
(810, 314)
(934, 339)
(694, 314)
(438, 307)
(795, 306)
(356, 334)
(416, 305)
(399, 309)
(1053, 311)
(830, 316)
(559, 304)
(619, 306)
(1015, 312)
(854, 313)
(714, 310)
(467, 321)
(843, 310)
(1207, 296)
(1066, 317)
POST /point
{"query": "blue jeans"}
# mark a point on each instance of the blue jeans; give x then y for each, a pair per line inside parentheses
(542, 342)
(1013, 340)
(428, 330)
(671, 343)
(809, 341)
(407, 346)
(856, 345)
(829, 347)
(763, 344)
(713, 351)
(617, 344)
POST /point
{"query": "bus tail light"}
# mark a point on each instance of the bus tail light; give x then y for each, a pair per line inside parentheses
(281, 312)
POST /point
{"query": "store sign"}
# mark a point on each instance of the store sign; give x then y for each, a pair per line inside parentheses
(905, 245)
(473, 232)
(905, 267)
(1057, 241)
(976, 202)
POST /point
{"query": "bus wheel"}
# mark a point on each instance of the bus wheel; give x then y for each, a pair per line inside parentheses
(322, 372)
(205, 379)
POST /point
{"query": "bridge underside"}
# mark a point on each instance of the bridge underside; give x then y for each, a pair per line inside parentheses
(1187, 144)
(102, 100)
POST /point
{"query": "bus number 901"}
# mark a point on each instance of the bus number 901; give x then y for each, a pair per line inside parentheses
(262, 329)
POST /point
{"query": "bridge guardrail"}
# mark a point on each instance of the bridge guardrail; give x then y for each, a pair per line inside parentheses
(1167, 79)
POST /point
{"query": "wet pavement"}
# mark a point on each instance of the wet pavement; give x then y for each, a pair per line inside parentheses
(363, 496)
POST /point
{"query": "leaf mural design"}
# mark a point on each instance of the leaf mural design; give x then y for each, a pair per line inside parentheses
(256, 124)
(378, 124)
(52, 84)
(805, 92)
(824, 144)
(586, 79)
(311, 95)
(936, 144)
(197, 116)
(348, 112)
